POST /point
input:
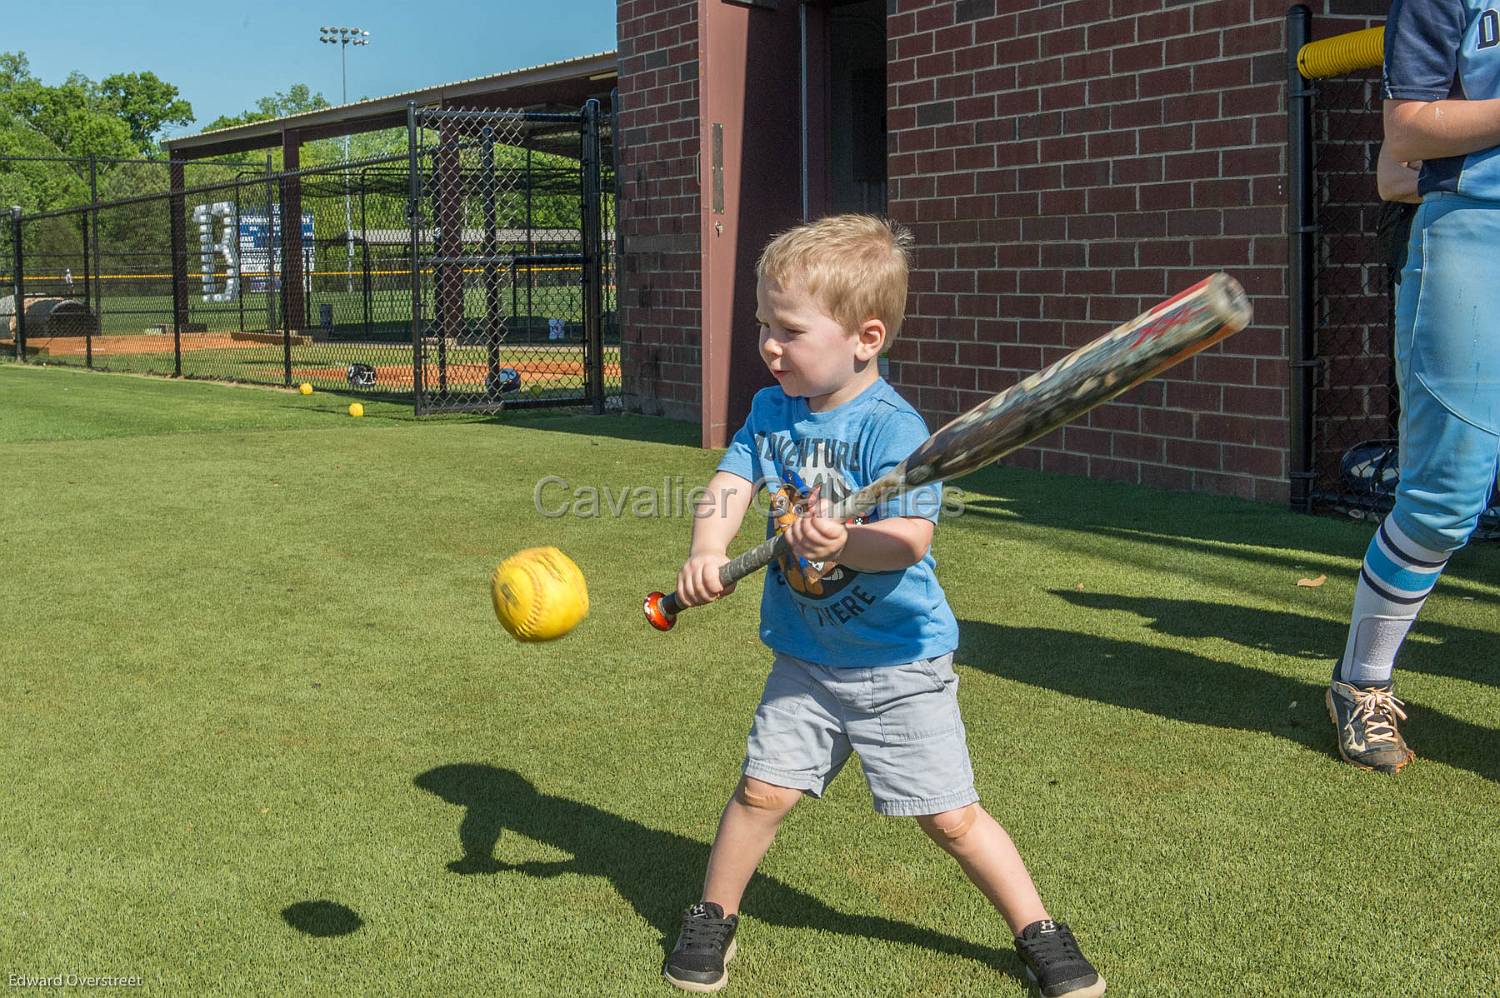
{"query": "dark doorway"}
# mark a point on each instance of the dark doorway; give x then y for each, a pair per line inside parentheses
(856, 104)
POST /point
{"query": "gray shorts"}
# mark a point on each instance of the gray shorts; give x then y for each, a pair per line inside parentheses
(902, 720)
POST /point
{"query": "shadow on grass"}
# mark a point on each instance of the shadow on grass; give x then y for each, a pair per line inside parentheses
(619, 426)
(1184, 687)
(1168, 522)
(321, 918)
(1465, 653)
(656, 871)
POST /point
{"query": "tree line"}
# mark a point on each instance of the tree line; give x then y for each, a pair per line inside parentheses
(121, 117)
(125, 116)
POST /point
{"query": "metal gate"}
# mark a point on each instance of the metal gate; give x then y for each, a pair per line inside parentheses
(507, 243)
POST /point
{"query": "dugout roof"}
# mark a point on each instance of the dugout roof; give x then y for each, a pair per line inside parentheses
(555, 86)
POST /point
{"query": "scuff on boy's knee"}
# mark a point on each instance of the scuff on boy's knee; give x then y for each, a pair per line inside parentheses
(950, 826)
(766, 796)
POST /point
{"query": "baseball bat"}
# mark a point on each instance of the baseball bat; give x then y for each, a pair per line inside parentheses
(1142, 348)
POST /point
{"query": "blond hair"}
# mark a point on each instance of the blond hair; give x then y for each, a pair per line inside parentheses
(854, 265)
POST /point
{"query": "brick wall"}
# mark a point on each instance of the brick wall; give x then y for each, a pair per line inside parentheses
(659, 279)
(1065, 165)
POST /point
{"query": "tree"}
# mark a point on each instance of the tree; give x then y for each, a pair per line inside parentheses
(34, 185)
(146, 104)
(118, 118)
(294, 100)
(71, 117)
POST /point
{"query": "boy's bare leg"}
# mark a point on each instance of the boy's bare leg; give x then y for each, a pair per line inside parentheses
(745, 832)
(991, 861)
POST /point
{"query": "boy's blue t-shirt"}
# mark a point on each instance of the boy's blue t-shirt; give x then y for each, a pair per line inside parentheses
(827, 613)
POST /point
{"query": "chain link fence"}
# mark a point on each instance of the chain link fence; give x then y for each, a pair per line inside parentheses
(7, 280)
(1355, 403)
(319, 275)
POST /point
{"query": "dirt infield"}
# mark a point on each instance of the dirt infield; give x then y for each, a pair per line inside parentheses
(321, 368)
(76, 346)
(458, 374)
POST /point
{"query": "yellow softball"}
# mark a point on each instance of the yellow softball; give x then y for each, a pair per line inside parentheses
(539, 594)
(305, 388)
(355, 409)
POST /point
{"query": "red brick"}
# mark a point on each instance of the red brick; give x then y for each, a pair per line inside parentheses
(1161, 477)
(1192, 453)
(1110, 469)
(1135, 447)
(1137, 58)
(1116, 417)
(1064, 463)
(1085, 440)
(1167, 423)
(1261, 461)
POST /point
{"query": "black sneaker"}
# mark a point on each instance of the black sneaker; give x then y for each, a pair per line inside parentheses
(704, 947)
(1365, 719)
(1054, 963)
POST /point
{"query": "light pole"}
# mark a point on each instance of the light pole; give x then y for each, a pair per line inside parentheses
(343, 38)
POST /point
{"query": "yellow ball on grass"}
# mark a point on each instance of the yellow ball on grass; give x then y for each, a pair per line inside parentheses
(355, 409)
(305, 388)
(539, 594)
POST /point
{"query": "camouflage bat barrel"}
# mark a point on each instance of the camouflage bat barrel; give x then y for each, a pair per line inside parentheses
(1116, 362)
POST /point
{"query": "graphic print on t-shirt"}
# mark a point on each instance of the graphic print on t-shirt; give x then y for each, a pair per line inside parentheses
(809, 466)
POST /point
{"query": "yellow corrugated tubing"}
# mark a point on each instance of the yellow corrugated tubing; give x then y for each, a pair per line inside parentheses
(1342, 54)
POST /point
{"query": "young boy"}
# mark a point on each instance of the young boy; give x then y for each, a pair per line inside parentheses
(862, 635)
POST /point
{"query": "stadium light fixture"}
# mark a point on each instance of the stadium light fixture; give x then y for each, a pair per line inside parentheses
(343, 37)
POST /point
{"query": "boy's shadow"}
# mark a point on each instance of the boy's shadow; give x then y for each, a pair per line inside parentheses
(1186, 687)
(652, 869)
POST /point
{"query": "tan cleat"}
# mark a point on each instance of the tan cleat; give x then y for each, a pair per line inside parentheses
(1364, 718)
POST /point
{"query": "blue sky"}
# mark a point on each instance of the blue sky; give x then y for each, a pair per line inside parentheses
(222, 56)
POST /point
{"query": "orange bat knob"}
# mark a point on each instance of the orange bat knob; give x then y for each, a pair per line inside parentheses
(661, 610)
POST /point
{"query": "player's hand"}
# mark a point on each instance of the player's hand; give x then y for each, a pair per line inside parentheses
(815, 536)
(698, 582)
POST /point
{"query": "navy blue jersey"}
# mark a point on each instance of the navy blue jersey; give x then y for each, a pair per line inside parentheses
(1441, 49)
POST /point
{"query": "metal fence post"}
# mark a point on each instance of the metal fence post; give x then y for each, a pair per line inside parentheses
(492, 320)
(91, 285)
(530, 239)
(269, 278)
(287, 304)
(177, 227)
(239, 195)
(83, 238)
(414, 221)
(1301, 230)
(364, 243)
(593, 300)
(18, 282)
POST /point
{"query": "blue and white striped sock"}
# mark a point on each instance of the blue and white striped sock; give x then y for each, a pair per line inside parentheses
(1394, 581)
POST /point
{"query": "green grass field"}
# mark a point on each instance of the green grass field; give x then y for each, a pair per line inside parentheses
(389, 305)
(260, 733)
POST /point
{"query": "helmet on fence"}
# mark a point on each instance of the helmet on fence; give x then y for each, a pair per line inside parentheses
(1371, 468)
(503, 381)
(361, 376)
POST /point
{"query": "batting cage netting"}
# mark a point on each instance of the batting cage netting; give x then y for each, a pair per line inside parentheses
(342, 275)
